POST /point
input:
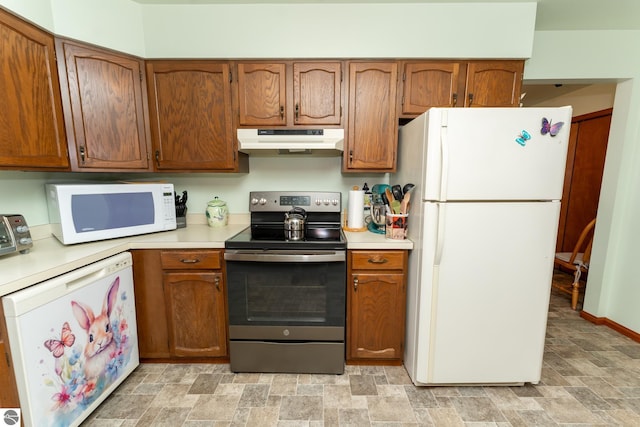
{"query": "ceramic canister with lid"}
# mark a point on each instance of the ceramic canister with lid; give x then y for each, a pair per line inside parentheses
(217, 213)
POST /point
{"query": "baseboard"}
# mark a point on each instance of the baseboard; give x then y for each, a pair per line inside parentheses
(611, 324)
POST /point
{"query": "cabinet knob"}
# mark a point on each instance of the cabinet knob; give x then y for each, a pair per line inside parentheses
(282, 111)
(297, 110)
(82, 150)
(217, 282)
(355, 283)
(470, 99)
(455, 99)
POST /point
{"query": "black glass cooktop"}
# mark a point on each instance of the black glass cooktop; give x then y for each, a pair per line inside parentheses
(256, 237)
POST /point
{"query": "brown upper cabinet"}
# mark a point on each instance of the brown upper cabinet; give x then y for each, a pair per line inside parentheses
(372, 133)
(190, 112)
(31, 123)
(494, 83)
(105, 103)
(427, 84)
(290, 93)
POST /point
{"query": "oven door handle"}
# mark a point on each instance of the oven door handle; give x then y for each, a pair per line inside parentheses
(285, 256)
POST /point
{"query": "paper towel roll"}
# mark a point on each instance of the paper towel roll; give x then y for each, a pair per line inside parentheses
(355, 215)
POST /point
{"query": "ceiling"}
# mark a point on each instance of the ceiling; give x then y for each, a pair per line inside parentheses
(551, 15)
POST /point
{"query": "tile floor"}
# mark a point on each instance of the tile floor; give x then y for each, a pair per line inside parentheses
(591, 376)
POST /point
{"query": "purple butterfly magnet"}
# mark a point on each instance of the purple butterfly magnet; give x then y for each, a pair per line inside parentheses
(551, 129)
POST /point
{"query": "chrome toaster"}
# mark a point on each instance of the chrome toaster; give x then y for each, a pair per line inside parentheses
(14, 235)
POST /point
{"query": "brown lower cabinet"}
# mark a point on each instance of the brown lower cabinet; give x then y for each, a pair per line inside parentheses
(376, 302)
(181, 305)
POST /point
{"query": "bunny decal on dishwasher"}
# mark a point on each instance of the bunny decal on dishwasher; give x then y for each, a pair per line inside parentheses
(101, 346)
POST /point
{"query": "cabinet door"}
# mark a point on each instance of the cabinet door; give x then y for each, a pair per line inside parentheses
(376, 316)
(104, 98)
(429, 84)
(31, 120)
(190, 114)
(317, 93)
(262, 94)
(153, 335)
(372, 136)
(494, 83)
(195, 305)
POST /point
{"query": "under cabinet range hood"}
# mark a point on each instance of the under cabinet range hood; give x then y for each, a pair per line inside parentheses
(319, 142)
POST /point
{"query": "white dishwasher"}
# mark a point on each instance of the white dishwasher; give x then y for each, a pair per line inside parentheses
(73, 340)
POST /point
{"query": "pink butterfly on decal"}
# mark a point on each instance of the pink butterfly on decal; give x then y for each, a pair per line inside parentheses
(66, 339)
(551, 129)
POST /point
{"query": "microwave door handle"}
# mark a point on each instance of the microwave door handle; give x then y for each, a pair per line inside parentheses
(288, 256)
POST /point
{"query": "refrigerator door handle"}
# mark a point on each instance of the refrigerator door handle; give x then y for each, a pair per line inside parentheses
(440, 207)
(444, 167)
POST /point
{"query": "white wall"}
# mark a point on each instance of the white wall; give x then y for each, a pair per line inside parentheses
(430, 30)
(612, 288)
(596, 97)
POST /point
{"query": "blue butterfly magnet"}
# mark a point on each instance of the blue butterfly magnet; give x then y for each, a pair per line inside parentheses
(551, 129)
(523, 138)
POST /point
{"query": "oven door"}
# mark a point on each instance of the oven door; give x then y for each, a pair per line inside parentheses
(286, 294)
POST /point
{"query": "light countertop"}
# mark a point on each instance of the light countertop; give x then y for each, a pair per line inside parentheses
(49, 258)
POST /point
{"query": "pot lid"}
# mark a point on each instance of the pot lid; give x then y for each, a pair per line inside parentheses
(217, 202)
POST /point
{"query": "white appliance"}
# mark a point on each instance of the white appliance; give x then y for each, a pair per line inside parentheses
(484, 217)
(321, 142)
(96, 211)
(73, 341)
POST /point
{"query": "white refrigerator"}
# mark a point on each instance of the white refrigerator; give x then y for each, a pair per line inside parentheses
(483, 218)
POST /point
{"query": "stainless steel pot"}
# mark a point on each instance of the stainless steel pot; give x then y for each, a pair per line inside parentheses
(294, 224)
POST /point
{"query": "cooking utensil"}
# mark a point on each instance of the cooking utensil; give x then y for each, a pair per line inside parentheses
(396, 190)
(404, 205)
(407, 188)
(389, 194)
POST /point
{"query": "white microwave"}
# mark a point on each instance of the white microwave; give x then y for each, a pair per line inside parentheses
(88, 212)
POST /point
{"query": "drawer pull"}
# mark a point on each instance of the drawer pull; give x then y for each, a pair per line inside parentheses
(377, 260)
(217, 282)
(189, 261)
(355, 283)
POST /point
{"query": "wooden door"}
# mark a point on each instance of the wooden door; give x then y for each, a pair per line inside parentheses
(195, 313)
(153, 335)
(31, 120)
(494, 83)
(583, 175)
(317, 95)
(372, 136)
(430, 84)
(105, 103)
(262, 94)
(190, 114)
(375, 326)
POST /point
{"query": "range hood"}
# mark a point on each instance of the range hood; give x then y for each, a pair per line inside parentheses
(318, 142)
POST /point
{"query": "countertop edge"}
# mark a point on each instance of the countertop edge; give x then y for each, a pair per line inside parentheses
(50, 258)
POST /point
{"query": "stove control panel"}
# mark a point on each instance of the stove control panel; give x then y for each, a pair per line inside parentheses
(284, 201)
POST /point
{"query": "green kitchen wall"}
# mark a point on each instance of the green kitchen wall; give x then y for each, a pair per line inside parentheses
(457, 30)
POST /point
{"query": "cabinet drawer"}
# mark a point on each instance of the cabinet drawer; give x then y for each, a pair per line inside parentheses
(377, 260)
(179, 260)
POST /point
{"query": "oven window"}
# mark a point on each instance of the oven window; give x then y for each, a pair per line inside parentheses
(300, 294)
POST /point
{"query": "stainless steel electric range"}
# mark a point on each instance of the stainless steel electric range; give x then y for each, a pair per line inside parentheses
(286, 278)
